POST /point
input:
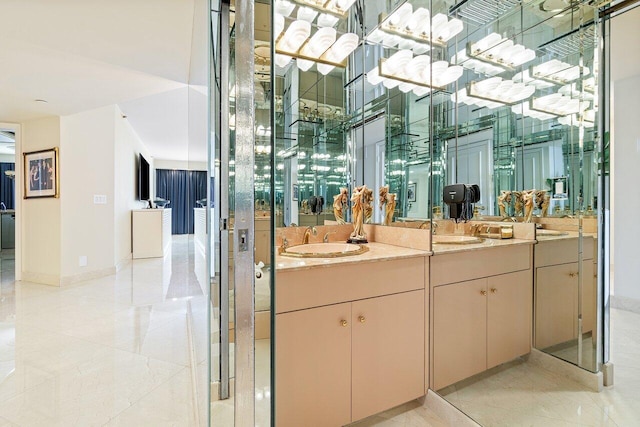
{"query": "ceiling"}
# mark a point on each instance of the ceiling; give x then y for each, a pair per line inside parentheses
(80, 55)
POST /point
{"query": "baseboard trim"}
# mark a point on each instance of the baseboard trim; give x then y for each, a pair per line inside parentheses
(41, 278)
(446, 411)
(625, 303)
(123, 262)
(592, 380)
(82, 277)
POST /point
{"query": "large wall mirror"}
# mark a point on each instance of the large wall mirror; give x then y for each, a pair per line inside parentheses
(502, 95)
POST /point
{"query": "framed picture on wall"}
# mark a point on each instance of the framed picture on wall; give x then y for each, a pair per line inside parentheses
(411, 192)
(295, 193)
(41, 174)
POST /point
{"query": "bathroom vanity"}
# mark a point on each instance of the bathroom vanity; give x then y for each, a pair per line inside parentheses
(480, 307)
(557, 277)
(350, 334)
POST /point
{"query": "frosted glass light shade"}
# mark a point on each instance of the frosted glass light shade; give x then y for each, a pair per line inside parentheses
(326, 20)
(306, 14)
(346, 44)
(282, 60)
(317, 45)
(297, 33)
(400, 16)
(278, 26)
(284, 7)
(417, 19)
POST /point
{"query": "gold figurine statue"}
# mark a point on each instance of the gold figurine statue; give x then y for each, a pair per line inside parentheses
(542, 202)
(528, 200)
(504, 200)
(367, 199)
(339, 202)
(388, 199)
(518, 203)
(357, 215)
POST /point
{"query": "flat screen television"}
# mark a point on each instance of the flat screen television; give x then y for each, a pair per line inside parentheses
(143, 178)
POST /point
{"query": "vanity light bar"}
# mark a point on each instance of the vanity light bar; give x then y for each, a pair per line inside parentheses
(412, 29)
(337, 8)
(493, 92)
(551, 73)
(497, 51)
(588, 119)
(557, 105)
(322, 48)
(410, 73)
(523, 108)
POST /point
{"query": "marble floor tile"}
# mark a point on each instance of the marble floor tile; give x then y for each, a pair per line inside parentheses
(113, 350)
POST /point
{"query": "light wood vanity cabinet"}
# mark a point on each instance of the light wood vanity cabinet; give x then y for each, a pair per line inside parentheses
(556, 291)
(482, 322)
(341, 362)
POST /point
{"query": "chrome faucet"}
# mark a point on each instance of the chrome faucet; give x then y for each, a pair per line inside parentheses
(309, 231)
(3, 206)
(434, 227)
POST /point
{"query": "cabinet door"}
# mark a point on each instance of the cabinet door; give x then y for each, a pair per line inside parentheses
(459, 331)
(509, 315)
(387, 352)
(556, 298)
(313, 367)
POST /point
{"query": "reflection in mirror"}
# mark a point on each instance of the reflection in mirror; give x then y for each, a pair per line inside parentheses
(507, 102)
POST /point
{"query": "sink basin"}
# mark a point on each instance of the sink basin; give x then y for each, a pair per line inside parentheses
(542, 232)
(324, 250)
(455, 240)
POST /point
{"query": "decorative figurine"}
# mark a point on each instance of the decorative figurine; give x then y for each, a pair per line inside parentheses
(339, 202)
(504, 200)
(542, 202)
(528, 199)
(357, 214)
(518, 203)
(367, 199)
(388, 199)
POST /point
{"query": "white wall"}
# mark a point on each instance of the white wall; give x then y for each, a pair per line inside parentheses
(179, 164)
(87, 169)
(7, 158)
(626, 175)
(127, 148)
(41, 217)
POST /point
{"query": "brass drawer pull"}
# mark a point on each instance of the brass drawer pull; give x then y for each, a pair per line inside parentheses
(343, 323)
(483, 292)
(494, 291)
(361, 319)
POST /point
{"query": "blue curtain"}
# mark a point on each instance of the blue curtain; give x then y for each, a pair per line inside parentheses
(183, 188)
(7, 185)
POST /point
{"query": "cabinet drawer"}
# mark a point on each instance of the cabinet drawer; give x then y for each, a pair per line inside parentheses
(458, 267)
(318, 286)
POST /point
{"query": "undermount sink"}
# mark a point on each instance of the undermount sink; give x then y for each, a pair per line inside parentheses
(455, 240)
(542, 232)
(324, 250)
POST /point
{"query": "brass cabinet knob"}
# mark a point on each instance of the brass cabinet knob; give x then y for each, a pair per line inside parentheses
(343, 323)
(494, 291)
(361, 319)
(483, 292)
(572, 274)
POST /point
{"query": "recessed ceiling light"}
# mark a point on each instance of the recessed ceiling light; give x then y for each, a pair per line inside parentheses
(44, 101)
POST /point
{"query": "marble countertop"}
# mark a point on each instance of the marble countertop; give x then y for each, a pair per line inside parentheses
(569, 235)
(376, 252)
(442, 248)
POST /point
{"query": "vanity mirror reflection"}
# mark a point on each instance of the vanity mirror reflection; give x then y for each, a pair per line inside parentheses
(506, 100)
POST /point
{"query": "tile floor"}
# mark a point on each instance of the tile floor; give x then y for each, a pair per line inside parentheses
(115, 351)
(110, 351)
(523, 394)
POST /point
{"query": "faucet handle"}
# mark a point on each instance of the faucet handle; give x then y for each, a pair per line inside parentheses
(325, 239)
